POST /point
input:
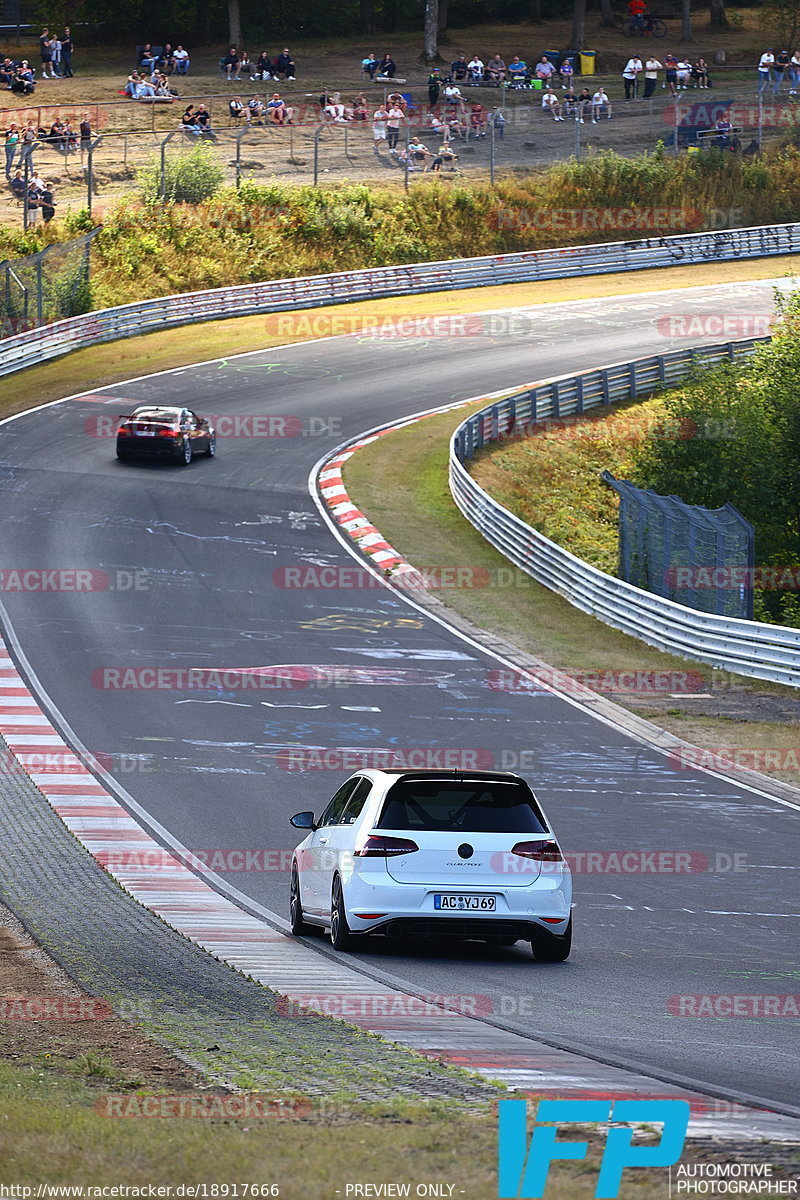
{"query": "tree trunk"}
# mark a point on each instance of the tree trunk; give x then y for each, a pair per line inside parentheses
(606, 15)
(535, 12)
(367, 16)
(578, 39)
(431, 37)
(686, 21)
(234, 24)
(442, 19)
(718, 16)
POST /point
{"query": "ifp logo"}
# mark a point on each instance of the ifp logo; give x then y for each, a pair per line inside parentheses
(523, 1170)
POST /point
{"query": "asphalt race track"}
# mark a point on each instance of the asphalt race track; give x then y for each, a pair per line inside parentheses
(210, 766)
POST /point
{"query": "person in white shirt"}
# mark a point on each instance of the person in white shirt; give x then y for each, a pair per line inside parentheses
(552, 104)
(794, 73)
(684, 74)
(600, 101)
(630, 76)
(651, 69)
(379, 119)
(181, 57)
(765, 70)
(475, 68)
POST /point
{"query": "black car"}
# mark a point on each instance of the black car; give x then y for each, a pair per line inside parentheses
(160, 431)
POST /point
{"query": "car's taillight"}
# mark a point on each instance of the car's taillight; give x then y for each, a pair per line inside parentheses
(540, 851)
(385, 847)
(169, 432)
(123, 429)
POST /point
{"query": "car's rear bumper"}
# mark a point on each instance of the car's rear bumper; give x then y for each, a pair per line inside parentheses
(462, 927)
(151, 447)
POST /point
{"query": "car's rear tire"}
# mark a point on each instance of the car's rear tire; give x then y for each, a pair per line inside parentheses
(212, 446)
(341, 938)
(186, 451)
(296, 922)
(550, 947)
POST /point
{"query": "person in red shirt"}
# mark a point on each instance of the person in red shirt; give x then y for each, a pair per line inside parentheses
(637, 9)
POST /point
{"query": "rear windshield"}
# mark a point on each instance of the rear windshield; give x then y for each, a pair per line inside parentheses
(463, 806)
(160, 415)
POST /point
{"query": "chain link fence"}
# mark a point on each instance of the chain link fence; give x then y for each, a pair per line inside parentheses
(45, 287)
(685, 552)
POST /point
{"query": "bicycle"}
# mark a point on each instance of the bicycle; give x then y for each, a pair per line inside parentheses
(647, 25)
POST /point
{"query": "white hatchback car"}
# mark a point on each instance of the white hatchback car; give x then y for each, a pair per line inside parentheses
(445, 853)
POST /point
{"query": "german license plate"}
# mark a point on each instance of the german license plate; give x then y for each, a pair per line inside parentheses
(145, 433)
(464, 903)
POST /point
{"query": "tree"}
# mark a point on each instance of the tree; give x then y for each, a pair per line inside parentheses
(234, 23)
(606, 14)
(718, 18)
(442, 19)
(366, 15)
(578, 38)
(686, 21)
(431, 36)
(535, 12)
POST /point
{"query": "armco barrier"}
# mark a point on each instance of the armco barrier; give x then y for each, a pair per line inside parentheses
(746, 647)
(278, 295)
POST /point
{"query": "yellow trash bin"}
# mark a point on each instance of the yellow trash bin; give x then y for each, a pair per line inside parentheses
(587, 61)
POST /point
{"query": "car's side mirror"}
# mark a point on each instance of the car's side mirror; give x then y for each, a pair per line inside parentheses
(303, 820)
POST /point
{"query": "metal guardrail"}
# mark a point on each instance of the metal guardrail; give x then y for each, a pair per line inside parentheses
(38, 345)
(746, 647)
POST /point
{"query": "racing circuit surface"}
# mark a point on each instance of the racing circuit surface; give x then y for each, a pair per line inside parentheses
(207, 541)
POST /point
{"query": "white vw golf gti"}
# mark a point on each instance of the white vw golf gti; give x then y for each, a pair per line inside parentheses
(445, 853)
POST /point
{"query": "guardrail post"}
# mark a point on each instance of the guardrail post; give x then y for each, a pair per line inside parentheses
(317, 136)
(556, 394)
(662, 368)
(167, 139)
(242, 133)
(579, 394)
(633, 379)
(605, 386)
(90, 172)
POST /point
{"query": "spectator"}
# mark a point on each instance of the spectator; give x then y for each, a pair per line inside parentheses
(23, 83)
(70, 138)
(189, 121)
(420, 153)
(276, 109)
(370, 64)
(794, 73)
(144, 90)
(393, 123)
(28, 141)
(552, 104)
(497, 119)
(334, 110)
(55, 136)
(181, 60)
(255, 110)
(671, 68)
(457, 124)
(438, 126)
(162, 86)
(46, 202)
(651, 69)
(583, 105)
(454, 99)
(434, 84)
(496, 69)
(637, 9)
(782, 61)
(475, 68)
(35, 189)
(517, 72)
(630, 76)
(85, 130)
(230, 64)
(203, 119)
(387, 67)
(379, 119)
(166, 61)
(567, 72)
(12, 136)
(569, 103)
(7, 72)
(67, 46)
(700, 74)
(765, 65)
(477, 121)
(55, 57)
(600, 101)
(285, 65)
(18, 186)
(246, 66)
(133, 82)
(545, 69)
(45, 53)
(459, 69)
(147, 59)
(445, 155)
(684, 72)
(360, 109)
(263, 68)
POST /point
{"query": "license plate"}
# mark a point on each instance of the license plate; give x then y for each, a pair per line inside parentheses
(145, 433)
(464, 903)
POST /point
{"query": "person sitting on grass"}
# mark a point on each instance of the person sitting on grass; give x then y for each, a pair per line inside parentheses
(203, 118)
(420, 153)
(276, 109)
(360, 108)
(477, 120)
(446, 156)
(245, 66)
(7, 72)
(285, 67)
(370, 64)
(189, 122)
(23, 83)
(230, 65)
(17, 186)
(387, 67)
(263, 68)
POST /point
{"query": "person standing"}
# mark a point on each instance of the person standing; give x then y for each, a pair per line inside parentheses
(28, 141)
(671, 64)
(630, 76)
(782, 63)
(651, 69)
(794, 73)
(67, 46)
(379, 119)
(434, 83)
(47, 204)
(393, 123)
(45, 53)
(55, 57)
(765, 65)
(12, 136)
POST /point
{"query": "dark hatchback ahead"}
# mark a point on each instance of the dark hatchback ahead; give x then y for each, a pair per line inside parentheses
(164, 431)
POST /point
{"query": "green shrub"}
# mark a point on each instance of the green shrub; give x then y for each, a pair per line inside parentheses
(190, 176)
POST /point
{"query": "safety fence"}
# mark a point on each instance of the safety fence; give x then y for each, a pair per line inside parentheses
(746, 647)
(105, 325)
